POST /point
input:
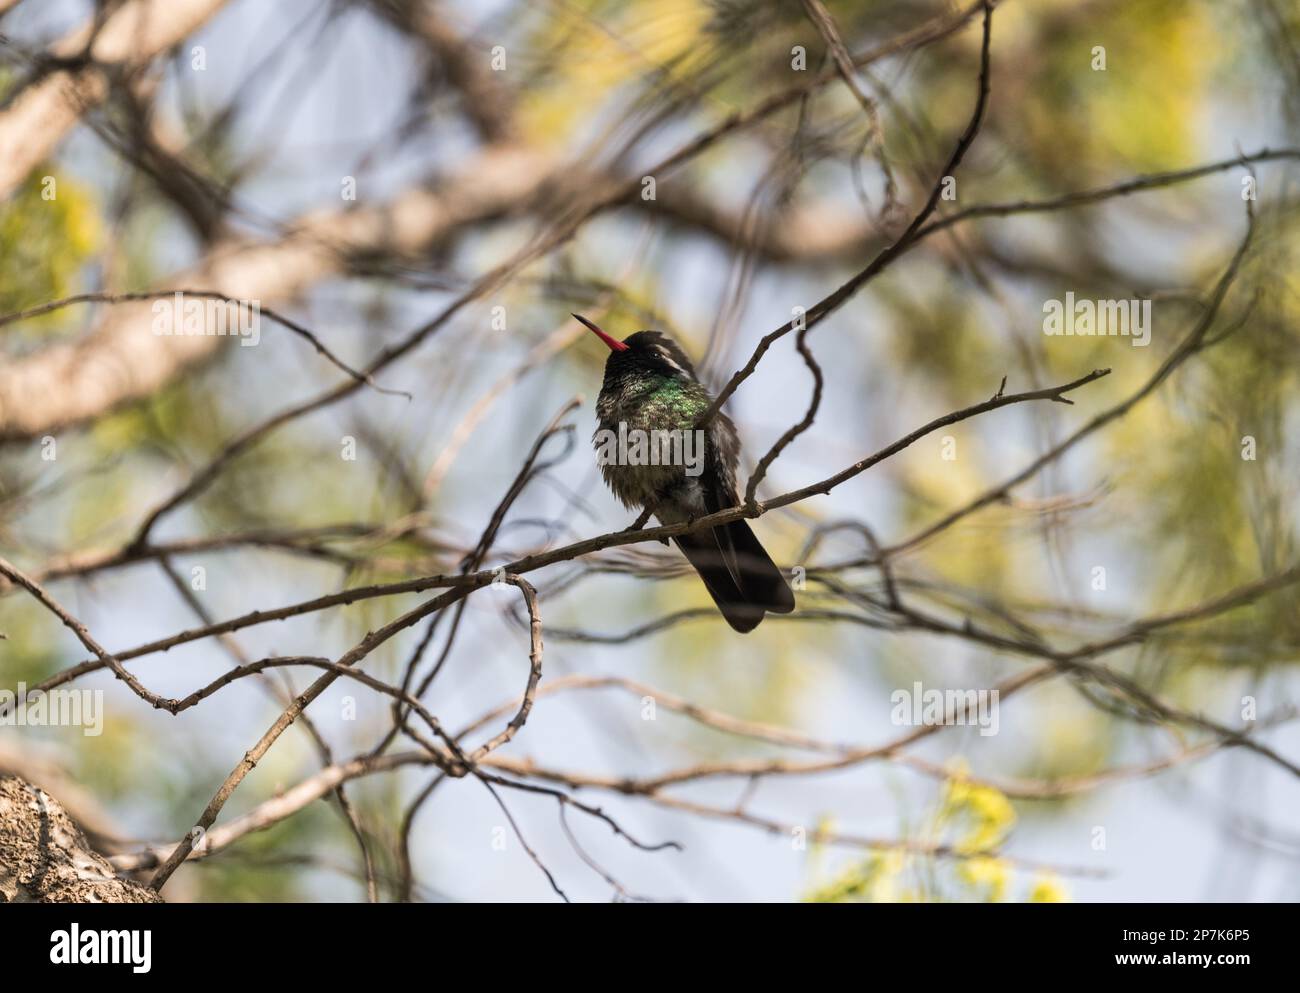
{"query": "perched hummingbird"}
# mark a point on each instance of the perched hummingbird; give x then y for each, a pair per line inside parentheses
(650, 388)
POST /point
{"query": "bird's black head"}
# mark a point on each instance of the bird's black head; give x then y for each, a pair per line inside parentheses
(648, 351)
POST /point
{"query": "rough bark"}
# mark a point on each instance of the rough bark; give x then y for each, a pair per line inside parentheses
(44, 857)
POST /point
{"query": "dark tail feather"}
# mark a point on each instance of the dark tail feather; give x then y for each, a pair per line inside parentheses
(760, 579)
(738, 573)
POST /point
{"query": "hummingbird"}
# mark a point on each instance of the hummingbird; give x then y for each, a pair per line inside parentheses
(650, 389)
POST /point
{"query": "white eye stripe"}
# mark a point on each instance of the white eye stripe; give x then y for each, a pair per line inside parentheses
(663, 353)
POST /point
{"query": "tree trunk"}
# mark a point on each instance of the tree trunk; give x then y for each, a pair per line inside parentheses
(44, 857)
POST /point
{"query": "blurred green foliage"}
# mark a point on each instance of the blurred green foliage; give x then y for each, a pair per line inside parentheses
(49, 232)
(974, 821)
